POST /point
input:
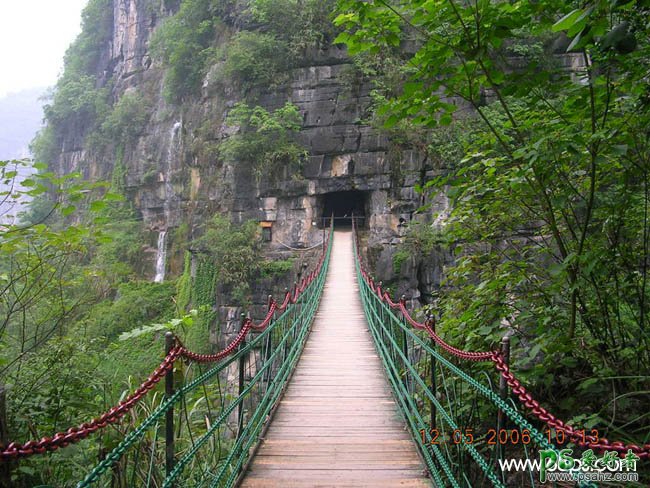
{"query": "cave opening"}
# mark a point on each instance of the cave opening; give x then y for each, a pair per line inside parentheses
(343, 205)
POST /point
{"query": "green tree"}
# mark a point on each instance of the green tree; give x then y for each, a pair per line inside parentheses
(265, 139)
(254, 59)
(550, 203)
(183, 43)
(302, 24)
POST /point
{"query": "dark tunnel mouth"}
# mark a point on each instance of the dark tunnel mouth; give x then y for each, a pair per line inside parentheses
(343, 205)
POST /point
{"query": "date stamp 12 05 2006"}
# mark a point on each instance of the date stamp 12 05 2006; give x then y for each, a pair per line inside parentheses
(493, 437)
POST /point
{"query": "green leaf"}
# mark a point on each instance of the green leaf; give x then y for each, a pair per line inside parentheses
(68, 210)
(113, 197)
(567, 21)
(97, 206)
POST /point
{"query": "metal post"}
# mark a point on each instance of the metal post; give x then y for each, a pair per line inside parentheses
(503, 393)
(382, 320)
(434, 364)
(295, 313)
(405, 347)
(267, 350)
(242, 365)
(169, 415)
(285, 347)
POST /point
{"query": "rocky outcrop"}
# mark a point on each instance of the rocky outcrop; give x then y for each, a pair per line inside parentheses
(173, 174)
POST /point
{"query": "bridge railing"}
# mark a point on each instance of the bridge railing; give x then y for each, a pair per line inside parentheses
(215, 416)
(204, 429)
(428, 388)
(462, 423)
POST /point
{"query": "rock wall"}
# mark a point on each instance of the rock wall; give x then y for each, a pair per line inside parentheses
(172, 176)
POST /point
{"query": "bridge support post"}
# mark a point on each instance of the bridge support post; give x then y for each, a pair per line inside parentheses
(434, 364)
(169, 415)
(285, 347)
(242, 365)
(503, 393)
(405, 347)
(267, 352)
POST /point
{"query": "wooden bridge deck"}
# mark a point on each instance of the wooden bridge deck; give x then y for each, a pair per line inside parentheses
(337, 424)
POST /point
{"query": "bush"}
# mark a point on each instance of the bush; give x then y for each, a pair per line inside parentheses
(276, 268)
(183, 42)
(136, 304)
(82, 57)
(44, 146)
(255, 59)
(77, 101)
(128, 118)
(265, 139)
(76, 98)
(230, 253)
(302, 24)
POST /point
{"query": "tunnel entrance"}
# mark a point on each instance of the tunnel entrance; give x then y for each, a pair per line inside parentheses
(343, 205)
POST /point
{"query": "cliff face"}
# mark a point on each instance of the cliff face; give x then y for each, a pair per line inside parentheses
(173, 175)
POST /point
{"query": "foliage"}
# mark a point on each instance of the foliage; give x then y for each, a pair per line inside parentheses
(265, 139)
(183, 43)
(232, 251)
(77, 100)
(179, 326)
(127, 119)
(136, 304)
(58, 386)
(184, 285)
(302, 24)
(45, 146)
(275, 35)
(83, 55)
(204, 292)
(56, 262)
(255, 59)
(421, 239)
(35, 255)
(276, 267)
(550, 200)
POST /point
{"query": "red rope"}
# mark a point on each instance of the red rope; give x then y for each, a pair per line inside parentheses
(74, 434)
(577, 436)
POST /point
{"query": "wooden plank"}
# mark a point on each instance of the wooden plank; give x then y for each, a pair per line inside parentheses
(337, 424)
(326, 483)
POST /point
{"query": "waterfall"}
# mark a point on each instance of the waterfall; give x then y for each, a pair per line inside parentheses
(161, 257)
(172, 154)
(170, 201)
(441, 204)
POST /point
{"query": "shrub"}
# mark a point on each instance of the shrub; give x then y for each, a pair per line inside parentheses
(255, 59)
(231, 252)
(84, 53)
(265, 139)
(128, 118)
(77, 100)
(182, 42)
(136, 304)
(277, 267)
(302, 24)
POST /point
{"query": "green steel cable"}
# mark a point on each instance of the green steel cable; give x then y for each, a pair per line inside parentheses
(310, 296)
(376, 313)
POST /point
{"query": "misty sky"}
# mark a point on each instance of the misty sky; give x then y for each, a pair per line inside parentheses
(34, 35)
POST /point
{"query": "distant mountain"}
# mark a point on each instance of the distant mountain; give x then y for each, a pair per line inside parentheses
(21, 116)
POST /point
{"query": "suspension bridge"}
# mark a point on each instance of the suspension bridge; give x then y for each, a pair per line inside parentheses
(338, 385)
(338, 424)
